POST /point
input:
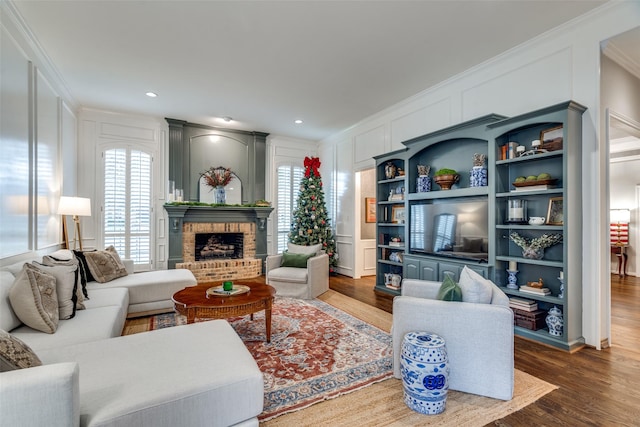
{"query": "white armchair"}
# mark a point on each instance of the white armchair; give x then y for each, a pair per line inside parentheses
(305, 283)
(479, 337)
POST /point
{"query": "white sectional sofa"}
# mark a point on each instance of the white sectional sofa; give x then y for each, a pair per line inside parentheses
(193, 375)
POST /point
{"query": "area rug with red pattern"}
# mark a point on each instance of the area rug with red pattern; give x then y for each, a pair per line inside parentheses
(317, 352)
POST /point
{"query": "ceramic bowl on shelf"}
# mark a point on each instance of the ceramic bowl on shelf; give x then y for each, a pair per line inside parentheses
(536, 220)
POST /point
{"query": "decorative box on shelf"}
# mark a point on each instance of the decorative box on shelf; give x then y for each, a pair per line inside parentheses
(532, 320)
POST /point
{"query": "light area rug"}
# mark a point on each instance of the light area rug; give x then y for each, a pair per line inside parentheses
(317, 352)
(381, 403)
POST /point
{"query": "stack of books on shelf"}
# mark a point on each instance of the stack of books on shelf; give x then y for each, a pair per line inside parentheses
(533, 188)
(535, 291)
(522, 304)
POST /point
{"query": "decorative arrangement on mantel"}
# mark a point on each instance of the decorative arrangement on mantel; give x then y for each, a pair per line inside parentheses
(217, 178)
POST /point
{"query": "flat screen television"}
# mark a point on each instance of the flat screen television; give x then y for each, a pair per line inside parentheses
(452, 228)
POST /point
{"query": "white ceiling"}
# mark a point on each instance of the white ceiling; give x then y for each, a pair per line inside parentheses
(266, 63)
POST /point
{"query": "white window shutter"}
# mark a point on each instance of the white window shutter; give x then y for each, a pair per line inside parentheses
(127, 204)
(289, 179)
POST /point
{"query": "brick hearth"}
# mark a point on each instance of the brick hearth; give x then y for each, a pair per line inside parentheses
(220, 269)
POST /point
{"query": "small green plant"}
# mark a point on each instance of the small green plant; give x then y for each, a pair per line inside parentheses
(446, 171)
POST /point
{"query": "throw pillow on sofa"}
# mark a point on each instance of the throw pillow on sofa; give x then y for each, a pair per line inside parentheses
(475, 288)
(449, 290)
(295, 260)
(85, 273)
(71, 260)
(106, 265)
(15, 354)
(65, 287)
(34, 299)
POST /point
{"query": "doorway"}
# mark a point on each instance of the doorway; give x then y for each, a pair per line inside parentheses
(365, 229)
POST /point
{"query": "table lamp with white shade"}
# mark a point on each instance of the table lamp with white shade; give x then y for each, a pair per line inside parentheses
(76, 206)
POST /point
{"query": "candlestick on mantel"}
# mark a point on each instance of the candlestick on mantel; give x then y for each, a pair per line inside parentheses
(513, 266)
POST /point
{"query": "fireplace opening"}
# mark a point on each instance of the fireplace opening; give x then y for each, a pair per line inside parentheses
(218, 245)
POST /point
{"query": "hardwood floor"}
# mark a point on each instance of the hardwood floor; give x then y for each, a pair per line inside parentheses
(596, 388)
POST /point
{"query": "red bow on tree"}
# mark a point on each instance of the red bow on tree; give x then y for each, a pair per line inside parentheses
(311, 164)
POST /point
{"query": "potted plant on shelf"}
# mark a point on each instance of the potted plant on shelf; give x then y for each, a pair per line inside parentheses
(445, 178)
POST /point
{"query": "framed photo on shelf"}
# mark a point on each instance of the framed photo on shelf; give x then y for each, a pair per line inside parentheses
(551, 134)
(397, 214)
(370, 209)
(555, 213)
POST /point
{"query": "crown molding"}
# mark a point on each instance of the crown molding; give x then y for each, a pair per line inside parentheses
(618, 56)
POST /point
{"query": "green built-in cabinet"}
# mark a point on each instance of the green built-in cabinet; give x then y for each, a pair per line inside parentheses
(454, 148)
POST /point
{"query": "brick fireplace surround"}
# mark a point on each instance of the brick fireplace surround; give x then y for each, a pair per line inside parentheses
(187, 221)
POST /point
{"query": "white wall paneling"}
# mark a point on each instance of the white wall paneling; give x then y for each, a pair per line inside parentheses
(552, 70)
(15, 162)
(418, 122)
(368, 144)
(345, 207)
(47, 162)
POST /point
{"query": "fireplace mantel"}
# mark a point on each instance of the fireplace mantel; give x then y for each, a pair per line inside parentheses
(181, 214)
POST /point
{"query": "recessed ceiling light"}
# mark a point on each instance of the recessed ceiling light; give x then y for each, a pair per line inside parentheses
(151, 94)
(227, 119)
(297, 121)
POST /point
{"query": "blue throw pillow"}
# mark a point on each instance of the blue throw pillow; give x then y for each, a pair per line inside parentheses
(449, 290)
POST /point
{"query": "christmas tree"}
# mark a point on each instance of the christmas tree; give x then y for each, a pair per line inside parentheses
(310, 224)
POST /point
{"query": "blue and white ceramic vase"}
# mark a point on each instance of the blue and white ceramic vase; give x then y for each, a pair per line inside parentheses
(425, 372)
(555, 322)
(423, 184)
(221, 195)
(478, 177)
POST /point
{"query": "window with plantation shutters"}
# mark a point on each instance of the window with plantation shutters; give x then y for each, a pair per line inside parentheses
(289, 179)
(127, 205)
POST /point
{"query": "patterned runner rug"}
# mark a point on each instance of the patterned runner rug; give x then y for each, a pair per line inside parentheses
(317, 352)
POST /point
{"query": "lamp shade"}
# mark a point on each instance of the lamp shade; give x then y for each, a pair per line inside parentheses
(80, 206)
(620, 216)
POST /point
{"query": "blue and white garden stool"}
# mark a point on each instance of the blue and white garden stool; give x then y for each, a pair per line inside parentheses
(425, 372)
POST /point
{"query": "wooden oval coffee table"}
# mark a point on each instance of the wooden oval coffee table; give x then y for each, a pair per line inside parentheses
(193, 302)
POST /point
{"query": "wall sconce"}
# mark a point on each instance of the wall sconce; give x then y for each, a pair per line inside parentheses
(176, 224)
(262, 223)
(621, 218)
(76, 206)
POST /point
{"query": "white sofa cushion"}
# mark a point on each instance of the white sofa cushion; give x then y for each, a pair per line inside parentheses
(289, 274)
(159, 378)
(150, 286)
(34, 299)
(8, 318)
(475, 288)
(306, 250)
(104, 319)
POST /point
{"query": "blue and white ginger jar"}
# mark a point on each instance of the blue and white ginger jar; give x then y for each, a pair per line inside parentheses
(478, 177)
